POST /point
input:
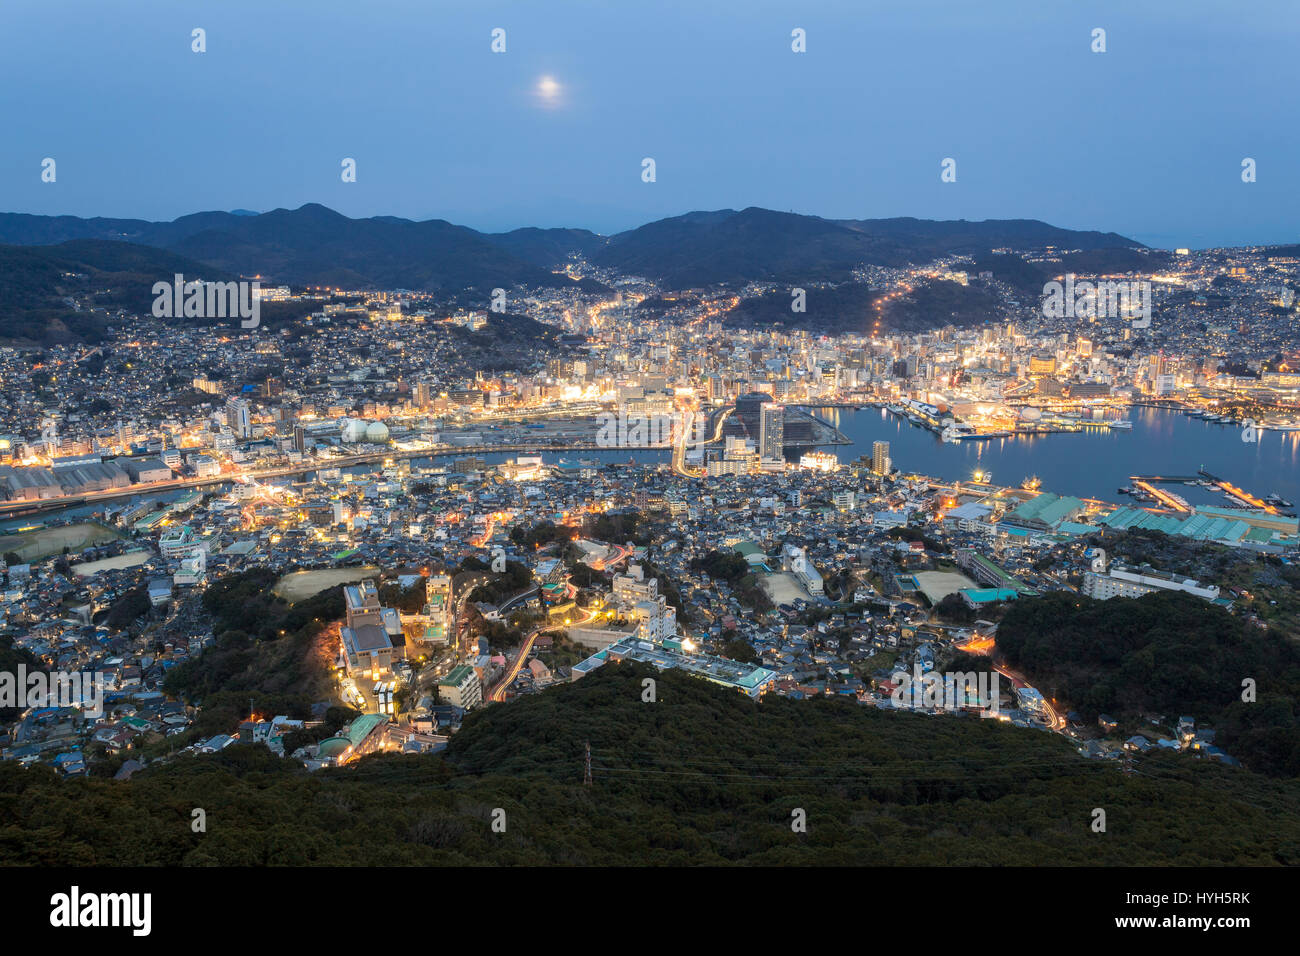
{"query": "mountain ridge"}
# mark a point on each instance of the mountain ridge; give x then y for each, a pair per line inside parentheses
(838, 240)
(314, 245)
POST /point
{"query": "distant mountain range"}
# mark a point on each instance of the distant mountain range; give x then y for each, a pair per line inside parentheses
(313, 245)
(706, 248)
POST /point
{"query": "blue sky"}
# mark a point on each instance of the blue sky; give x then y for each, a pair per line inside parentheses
(1145, 139)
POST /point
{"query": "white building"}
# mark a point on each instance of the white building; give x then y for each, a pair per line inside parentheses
(193, 570)
(795, 560)
(888, 519)
(461, 687)
(1131, 583)
(634, 587)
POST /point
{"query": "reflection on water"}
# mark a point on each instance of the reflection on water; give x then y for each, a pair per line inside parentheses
(1092, 463)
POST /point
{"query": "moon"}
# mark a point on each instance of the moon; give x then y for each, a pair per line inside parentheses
(549, 91)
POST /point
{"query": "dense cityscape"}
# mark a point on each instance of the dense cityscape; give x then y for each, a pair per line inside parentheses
(651, 482)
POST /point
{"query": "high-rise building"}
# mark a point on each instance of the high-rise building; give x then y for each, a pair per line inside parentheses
(749, 412)
(771, 439)
(238, 418)
(1042, 364)
(880, 462)
(438, 609)
(635, 586)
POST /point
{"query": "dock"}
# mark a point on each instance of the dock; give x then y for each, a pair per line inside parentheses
(1147, 484)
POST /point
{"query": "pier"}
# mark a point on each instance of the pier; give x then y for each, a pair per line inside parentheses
(803, 429)
(1147, 484)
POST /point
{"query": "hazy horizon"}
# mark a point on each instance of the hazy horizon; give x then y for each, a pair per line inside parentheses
(552, 132)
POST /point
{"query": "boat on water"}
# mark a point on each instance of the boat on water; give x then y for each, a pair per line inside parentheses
(1122, 423)
(1277, 501)
(956, 431)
